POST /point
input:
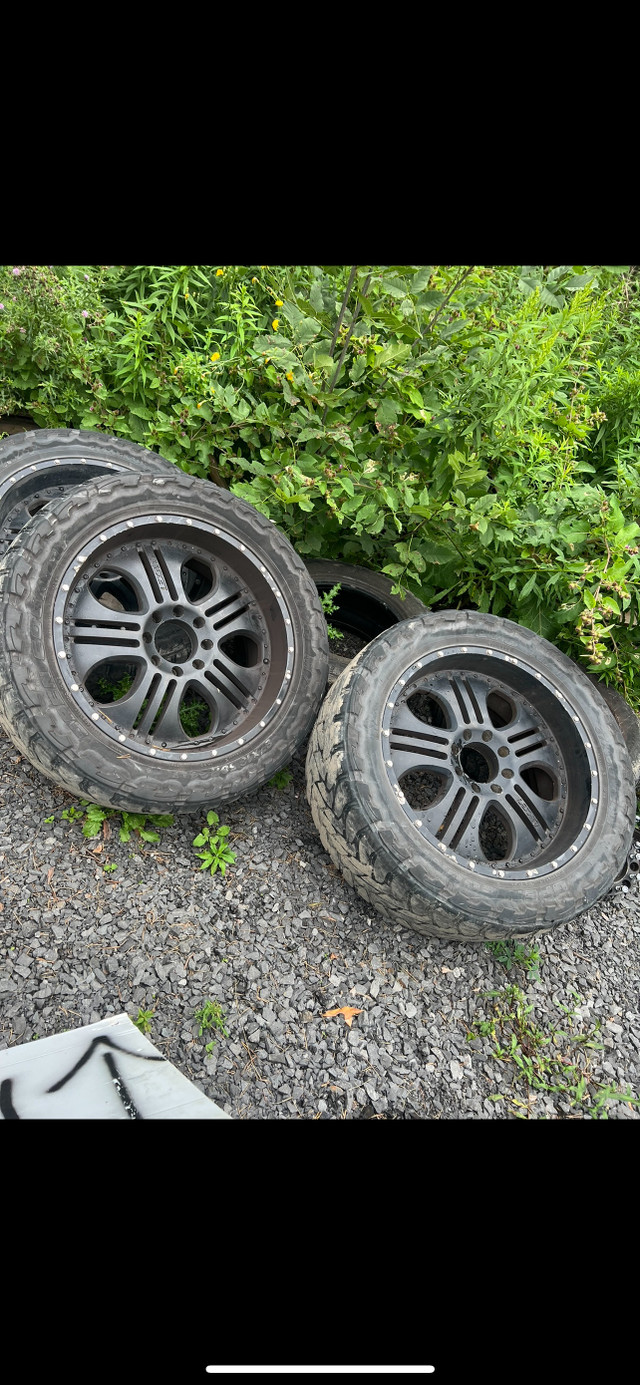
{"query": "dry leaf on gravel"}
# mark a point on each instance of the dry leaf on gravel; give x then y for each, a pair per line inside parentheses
(347, 1010)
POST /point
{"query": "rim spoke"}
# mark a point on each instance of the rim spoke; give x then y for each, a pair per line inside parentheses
(168, 726)
(526, 830)
(229, 612)
(109, 646)
(542, 811)
(150, 689)
(243, 680)
(456, 818)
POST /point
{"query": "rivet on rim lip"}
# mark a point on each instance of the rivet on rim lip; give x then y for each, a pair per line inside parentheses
(58, 620)
(152, 751)
(574, 847)
(390, 762)
(103, 537)
(214, 752)
(61, 654)
(386, 733)
(75, 687)
(122, 738)
(189, 521)
(391, 704)
(65, 586)
(183, 757)
(94, 716)
(594, 800)
(263, 723)
(278, 701)
(418, 822)
(588, 826)
(532, 872)
(159, 518)
(240, 740)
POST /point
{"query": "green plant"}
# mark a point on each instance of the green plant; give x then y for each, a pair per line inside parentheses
(557, 1062)
(473, 431)
(281, 779)
(111, 865)
(329, 606)
(143, 1021)
(94, 816)
(211, 1016)
(216, 855)
(512, 954)
(51, 819)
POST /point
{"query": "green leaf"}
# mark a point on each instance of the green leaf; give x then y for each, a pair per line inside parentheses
(387, 411)
(421, 278)
(200, 840)
(432, 299)
(212, 817)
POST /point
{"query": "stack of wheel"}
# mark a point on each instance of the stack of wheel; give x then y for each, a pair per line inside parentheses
(165, 649)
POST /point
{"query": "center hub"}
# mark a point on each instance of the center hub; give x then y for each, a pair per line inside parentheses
(479, 762)
(175, 641)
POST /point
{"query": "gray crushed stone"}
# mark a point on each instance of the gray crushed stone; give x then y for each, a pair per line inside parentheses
(278, 942)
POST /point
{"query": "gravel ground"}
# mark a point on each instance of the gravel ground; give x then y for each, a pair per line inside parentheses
(277, 942)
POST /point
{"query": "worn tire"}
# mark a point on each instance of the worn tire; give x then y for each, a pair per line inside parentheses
(373, 836)
(366, 604)
(627, 721)
(50, 717)
(41, 465)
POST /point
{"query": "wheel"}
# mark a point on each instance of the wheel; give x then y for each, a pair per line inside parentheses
(40, 465)
(365, 605)
(468, 780)
(164, 648)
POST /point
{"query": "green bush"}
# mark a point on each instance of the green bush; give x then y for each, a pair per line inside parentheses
(471, 431)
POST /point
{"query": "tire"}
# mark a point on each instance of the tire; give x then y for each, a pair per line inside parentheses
(43, 464)
(627, 721)
(436, 852)
(365, 605)
(98, 704)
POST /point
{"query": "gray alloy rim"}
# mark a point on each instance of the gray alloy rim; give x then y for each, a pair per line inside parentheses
(162, 613)
(490, 762)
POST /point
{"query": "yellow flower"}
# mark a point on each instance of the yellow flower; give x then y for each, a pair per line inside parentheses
(176, 371)
(267, 359)
(216, 356)
(289, 375)
(278, 302)
(200, 405)
(254, 280)
(219, 272)
(186, 295)
(275, 324)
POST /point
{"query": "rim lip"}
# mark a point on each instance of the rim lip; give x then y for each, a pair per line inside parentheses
(99, 718)
(48, 463)
(11, 487)
(414, 815)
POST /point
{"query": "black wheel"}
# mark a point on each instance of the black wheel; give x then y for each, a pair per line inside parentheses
(43, 464)
(365, 606)
(469, 781)
(164, 648)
